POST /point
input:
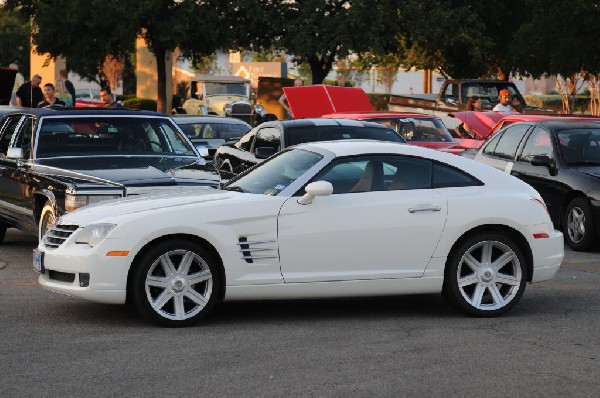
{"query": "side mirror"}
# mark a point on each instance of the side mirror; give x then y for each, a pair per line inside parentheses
(544, 160)
(14, 153)
(203, 150)
(264, 152)
(317, 188)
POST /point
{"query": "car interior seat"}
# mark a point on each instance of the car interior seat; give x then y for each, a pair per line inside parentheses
(372, 178)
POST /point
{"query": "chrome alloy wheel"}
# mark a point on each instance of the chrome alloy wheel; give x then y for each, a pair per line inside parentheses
(576, 224)
(489, 275)
(179, 284)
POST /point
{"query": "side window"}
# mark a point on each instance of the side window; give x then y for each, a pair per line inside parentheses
(451, 93)
(378, 173)
(490, 147)
(8, 131)
(509, 142)
(23, 140)
(445, 176)
(268, 137)
(245, 143)
(538, 143)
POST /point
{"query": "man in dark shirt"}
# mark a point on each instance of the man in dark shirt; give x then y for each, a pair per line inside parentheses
(50, 100)
(64, 76)
(108, 99)
(30, 93)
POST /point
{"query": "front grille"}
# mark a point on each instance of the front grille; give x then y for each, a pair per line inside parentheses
(58, 234)
(61, 276)
(249, 249)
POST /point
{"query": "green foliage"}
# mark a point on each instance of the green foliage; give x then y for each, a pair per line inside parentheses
(14, 39)
(379, 101)
(140, 104)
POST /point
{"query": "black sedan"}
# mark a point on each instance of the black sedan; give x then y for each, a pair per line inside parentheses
(53, 161)
(270, 137)
(561, 160)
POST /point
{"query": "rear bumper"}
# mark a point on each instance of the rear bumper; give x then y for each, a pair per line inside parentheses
(548, 255)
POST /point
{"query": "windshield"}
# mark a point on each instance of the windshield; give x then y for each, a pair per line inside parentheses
(300, 135)
(110, 136)
(224, 89)
(275, 174)
(214, 130)
(579, 146)
(418, 130)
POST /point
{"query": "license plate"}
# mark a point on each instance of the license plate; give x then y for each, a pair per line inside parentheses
(38, 261)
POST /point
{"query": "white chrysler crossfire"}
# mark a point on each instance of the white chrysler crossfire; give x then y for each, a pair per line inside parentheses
(334, 219)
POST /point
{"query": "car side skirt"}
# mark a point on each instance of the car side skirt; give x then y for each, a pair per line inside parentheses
(361, 288)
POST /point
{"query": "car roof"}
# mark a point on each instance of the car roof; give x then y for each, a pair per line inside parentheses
(379, 115)
(39, 112)
(322, 122)
(562, 123)
(207, 119)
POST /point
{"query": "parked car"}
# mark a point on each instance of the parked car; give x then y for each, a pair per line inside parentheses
(353, 103)
(561, 159)
(53, 161)
(329, 219)
(88, 98)
(207, 133)
(270, 137)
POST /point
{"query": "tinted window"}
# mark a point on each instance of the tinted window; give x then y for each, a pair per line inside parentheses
(418, 130)
(579, 146)
(538, 143)
(509, 141)
(7, 133)
(299, 135)
(268, 137)
(23, 140)
(490, 147)
(214, 130)
(445, 176)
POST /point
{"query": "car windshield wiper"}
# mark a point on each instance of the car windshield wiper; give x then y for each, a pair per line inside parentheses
(235, 188)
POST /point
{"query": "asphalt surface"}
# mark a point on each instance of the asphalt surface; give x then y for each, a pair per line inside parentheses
(414, 346)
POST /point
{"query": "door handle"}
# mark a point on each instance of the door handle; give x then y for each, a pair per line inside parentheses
(420, 209)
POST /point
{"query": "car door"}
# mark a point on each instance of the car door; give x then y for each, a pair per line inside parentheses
(369, 228)
(539, 143)
(501, 150)
(15, 179)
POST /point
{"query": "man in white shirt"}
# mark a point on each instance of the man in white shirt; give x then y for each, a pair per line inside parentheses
(504, 106)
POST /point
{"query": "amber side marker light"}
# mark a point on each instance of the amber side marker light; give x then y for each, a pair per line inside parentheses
(541, 236)
(121, 253)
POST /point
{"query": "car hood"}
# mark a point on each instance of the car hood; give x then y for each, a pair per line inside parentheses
(319, 100)
(130, 171)
(481, 123)
(450, 147)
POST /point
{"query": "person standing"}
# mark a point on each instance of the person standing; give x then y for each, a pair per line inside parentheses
(19, 80)
(50, 100)
(108, 99)
(504, 104)
(516, 104)
(64, 77)
(30, 94)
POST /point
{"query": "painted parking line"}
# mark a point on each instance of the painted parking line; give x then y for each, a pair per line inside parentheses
(583, 265)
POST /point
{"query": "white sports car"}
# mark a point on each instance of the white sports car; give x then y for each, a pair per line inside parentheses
(352, 218)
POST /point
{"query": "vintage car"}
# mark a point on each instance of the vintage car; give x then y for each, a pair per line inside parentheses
(53, 161)
(352, 103)
(328, 219)
(207, 133)
(268, 138)
(560, 158)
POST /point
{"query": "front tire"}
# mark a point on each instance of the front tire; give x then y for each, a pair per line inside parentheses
(2, 232)
(175, 283)
(485, 276)
(578, 225)
(47, 219)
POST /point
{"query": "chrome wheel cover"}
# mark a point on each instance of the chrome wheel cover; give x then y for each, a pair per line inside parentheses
(576, 224)
(489, 275)
(178, 284)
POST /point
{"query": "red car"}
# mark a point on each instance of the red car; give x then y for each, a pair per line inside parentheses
(352, 103)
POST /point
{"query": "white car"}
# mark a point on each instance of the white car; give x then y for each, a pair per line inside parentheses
(331, 219)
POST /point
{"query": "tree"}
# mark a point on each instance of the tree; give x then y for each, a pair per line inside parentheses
(316, 32)
(14, 39)
(86, 32)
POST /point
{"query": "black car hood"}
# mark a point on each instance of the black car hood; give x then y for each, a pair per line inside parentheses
(131, 170)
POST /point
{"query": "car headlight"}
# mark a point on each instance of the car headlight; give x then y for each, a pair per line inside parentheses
(227, 108)
(74, 202)
(94, 234)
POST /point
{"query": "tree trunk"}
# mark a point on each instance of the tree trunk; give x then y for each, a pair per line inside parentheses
(320, 66)
(161, 75)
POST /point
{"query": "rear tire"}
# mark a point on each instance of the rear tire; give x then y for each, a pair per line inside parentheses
(2, 232)
(578, 225)
(485, 276)
(175, 283)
